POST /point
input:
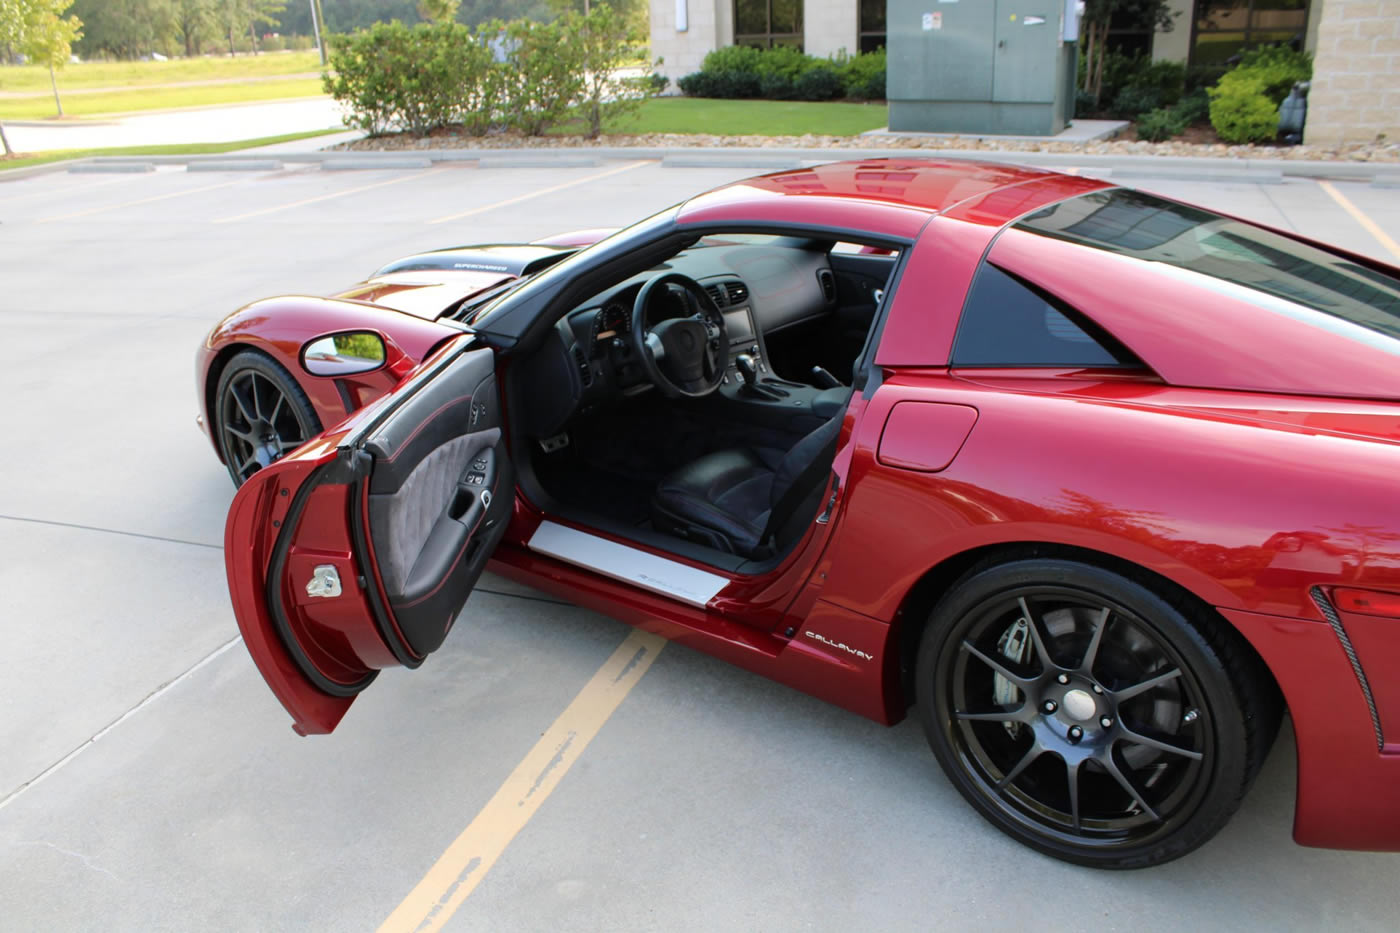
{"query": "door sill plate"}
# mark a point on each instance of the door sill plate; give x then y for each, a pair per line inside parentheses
(667, 577)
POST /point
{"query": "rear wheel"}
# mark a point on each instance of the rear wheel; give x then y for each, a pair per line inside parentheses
(261, 414)
(1087, 716)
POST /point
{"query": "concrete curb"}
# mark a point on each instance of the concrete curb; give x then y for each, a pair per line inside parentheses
(351, 165)
(235, 165)
(120, 168)
(1188, 168)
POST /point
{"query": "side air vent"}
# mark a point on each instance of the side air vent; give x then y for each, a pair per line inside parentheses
(828, 284)
(583, 369)
(716, 293)
(738, 292)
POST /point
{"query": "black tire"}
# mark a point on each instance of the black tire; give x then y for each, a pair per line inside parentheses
(260, 414)
(1075, 734)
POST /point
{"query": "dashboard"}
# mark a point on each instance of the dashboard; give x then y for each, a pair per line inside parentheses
(760, 287)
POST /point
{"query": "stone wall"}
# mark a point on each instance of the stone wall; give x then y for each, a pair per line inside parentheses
(1356, 73)
(710, 26)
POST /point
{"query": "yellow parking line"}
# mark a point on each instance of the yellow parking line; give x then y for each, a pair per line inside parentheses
(151, 200)
(543, 191)
(1371, 226)
(467, 860)
(326, 197)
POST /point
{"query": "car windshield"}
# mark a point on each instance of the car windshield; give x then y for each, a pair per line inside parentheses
(1263, 264)
(618, 243)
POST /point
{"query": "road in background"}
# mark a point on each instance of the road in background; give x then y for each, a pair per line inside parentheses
(170, 127)
(170, 791)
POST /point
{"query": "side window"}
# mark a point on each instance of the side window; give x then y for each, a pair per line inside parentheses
(1007, 323)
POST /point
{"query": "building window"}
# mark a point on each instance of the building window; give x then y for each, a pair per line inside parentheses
(1224, 28)
(872, 25)
(766, 23)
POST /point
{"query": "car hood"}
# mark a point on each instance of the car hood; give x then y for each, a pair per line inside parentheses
(427, 285)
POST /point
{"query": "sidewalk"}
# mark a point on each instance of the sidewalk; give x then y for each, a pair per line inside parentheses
(203, 125)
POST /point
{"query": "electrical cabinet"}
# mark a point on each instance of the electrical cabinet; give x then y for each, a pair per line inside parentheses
(978, 66)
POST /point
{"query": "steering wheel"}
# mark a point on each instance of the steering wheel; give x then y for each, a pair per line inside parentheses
(683, 356)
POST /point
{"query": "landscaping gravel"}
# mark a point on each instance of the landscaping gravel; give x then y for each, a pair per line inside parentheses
(1377, 151)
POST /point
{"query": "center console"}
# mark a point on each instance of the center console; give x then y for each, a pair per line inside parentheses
(749, 385)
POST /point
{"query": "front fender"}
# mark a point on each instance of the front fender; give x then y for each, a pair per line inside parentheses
(280, 327)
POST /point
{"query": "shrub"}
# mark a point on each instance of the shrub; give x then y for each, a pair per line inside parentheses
(602, 41)
(1162, 123)
(1277, 68)
(730, 84)
(273, 43)
(784, 60)
(1133, 100)
(740, 58)
(1084, 103)
(1242, 113)
(863, 77)
(1168, 79)
(1193, 107)
(819, 82)
(543, 76)
(774, 85)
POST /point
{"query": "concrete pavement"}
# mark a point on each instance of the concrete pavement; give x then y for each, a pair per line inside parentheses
(149, 780)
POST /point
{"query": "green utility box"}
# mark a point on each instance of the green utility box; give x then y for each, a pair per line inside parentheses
(979, 66)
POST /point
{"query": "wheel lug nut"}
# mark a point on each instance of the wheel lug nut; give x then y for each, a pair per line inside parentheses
(1105, 722)
(1076, 733)
(1063, 678)
(1098, 689)
(1050, 706)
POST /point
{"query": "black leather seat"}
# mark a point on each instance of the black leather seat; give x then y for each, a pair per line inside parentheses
(737, 500)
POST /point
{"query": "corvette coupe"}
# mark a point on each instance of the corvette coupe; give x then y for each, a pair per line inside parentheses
(1096, 483)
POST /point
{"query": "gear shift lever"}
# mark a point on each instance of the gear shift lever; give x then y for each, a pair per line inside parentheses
(748, 369)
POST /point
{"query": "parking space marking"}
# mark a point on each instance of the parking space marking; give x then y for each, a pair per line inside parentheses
(470, 856)
(543, 191)
(262, 212)
(151, 200)
(1370, 225)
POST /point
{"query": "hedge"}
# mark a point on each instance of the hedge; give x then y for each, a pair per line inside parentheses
(784, 73)
(521, 75)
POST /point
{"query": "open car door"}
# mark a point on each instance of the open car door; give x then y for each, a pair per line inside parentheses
(358, 550)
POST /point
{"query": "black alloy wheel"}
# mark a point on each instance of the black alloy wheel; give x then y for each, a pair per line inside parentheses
(261, 414)
(1087, 716)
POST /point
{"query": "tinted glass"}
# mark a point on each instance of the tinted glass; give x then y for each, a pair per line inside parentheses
(750, 16)
(1268, 265)
(1006, 323)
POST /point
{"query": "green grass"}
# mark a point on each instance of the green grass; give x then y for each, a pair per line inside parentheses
(41, 106)
(19, 78)
(58, 155)
(752, 117)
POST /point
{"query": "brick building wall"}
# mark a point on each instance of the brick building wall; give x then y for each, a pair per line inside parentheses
(1355, 94)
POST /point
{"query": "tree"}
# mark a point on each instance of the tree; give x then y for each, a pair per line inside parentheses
(438, 11)
(1094, 25)
(39, 30)
(49, 37)
(195, 21)
(124, 28)
(603, 41)
(240, 16)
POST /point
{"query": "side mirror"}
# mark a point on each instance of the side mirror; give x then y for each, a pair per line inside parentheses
(344, 354)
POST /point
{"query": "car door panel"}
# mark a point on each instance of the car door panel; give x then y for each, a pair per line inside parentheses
(439, 497)
(358, 550)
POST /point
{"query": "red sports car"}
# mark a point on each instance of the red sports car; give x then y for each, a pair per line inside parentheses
(1095, 482)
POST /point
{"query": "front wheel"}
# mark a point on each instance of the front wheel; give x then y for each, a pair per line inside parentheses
(261, 414)
(1087, 716)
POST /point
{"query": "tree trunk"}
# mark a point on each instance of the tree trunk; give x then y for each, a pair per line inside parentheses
(5, 140)
(53, 79)
(230, 42)
(253, 36)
